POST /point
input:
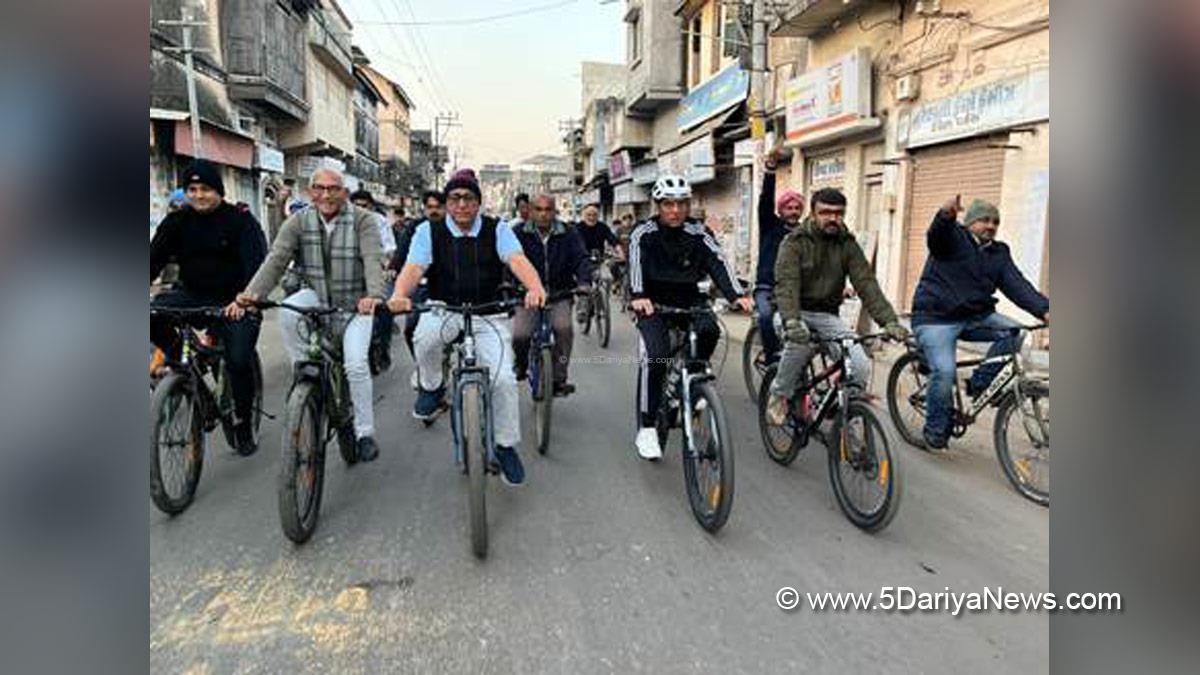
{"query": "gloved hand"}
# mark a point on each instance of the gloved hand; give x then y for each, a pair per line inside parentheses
(795, 331)
(896, 331)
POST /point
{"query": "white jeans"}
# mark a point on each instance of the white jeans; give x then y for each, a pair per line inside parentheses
(356, 342)
(493, 349)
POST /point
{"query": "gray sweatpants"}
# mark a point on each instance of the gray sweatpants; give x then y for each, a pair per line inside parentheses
(795, 357)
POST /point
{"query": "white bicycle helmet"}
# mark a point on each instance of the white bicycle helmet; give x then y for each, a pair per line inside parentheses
(671, 186)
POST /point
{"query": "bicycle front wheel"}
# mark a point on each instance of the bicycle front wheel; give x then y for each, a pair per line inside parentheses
(753, 361)
(1022, 438)
(474, 446)
(603, 318)
(861, 470)
(708, 464)
(177, 443)
(543, 404)
(302, 464)
(906, 391)
(782, 442)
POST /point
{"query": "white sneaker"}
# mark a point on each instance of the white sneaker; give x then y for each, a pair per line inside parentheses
(647, 444)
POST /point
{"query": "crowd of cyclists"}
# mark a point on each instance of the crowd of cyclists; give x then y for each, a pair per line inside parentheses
(340, 252)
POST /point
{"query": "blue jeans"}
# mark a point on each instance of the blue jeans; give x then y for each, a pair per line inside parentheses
(763, 316)
(938, 342)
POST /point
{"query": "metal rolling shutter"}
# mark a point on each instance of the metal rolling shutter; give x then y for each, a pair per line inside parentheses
(969, 168)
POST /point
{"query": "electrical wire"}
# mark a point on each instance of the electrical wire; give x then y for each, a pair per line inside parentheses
(481, 19)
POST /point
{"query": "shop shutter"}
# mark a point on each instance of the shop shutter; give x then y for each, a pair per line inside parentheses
(969, 168)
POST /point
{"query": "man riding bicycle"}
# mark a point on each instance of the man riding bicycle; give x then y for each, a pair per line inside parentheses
(955, 298)
(557, 252)
(337, 253)
(595, 235)
(813, 264)
(217, 247)
(434, 206)
(772, 229)
(669, 255)
(464, 258)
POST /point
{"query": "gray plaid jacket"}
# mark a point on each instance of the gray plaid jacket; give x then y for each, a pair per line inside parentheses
(332, 265)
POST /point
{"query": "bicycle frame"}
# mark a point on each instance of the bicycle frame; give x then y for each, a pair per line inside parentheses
(692, 369)
(323, 366)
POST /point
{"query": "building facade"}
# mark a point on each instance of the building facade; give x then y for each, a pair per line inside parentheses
(938, 99)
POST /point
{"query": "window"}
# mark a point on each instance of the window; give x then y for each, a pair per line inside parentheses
(635, 39)
(694, 54)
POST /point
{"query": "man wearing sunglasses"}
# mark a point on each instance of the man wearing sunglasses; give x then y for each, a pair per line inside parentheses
(814, 262)
(464, 257)
(955, 298)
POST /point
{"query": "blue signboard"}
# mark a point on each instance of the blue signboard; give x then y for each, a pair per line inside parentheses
(723, 91)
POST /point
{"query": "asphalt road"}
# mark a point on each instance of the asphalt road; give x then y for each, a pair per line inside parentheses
(596, 564)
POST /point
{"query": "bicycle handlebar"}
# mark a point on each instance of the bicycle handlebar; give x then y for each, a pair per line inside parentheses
(483, 308)
(189, 312)
(381, 308)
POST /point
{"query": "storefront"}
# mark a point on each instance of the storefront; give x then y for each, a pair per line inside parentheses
(990, 142)
(839, 141)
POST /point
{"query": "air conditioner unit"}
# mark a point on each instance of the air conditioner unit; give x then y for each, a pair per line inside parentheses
(908, 87)
(926, 7)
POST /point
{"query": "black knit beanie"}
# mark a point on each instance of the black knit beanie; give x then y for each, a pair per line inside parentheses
(205, 173)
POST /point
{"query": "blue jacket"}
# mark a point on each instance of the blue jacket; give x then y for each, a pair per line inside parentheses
(961, 277)
(562, 261)
(771, 231)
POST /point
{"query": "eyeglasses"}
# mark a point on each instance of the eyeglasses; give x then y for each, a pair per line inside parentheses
(326, 189)
(462, 198)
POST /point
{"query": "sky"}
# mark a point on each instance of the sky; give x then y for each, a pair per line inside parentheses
(509, 79)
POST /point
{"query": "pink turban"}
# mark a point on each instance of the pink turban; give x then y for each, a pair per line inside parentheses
(787, 198)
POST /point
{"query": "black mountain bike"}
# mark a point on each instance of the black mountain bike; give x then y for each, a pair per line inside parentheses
(597, 306)
(189, 401)
(471, 418)
(690, 395)
(318, 409)
(541, 372)
(862, 471)
(1023, 449)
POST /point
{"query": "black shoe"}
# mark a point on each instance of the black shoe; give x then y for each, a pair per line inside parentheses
(367, 450)
(564, 389)
(243, 436)
(934, 441)
(512, 472)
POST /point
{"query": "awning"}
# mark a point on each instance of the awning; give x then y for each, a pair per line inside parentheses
(217, 145)
(703, 130)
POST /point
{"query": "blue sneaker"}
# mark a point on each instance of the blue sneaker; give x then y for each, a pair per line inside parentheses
(429, 404)
(512, 472)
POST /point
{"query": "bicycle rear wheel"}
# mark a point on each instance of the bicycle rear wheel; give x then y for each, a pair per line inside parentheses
(543, 401)
(302, 464)
(861, 470)
(754, 361)
(906, 390)
(708, 467)
(256, 410)
(475, 456)
(1023, 446)
(177, 443)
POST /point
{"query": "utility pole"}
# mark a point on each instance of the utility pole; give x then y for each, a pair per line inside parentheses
(447, 120)
(186, 23)
(758, 69)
